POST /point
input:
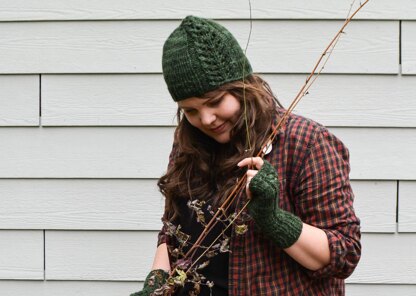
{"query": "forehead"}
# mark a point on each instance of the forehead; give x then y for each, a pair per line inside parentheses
(192, 102)
(199, 101)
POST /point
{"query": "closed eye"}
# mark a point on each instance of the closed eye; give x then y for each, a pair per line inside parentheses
(215, 102)
(189, 111)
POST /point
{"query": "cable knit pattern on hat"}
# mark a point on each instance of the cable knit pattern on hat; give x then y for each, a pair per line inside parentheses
(199, 56)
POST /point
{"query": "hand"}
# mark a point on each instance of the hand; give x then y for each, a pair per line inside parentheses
(254, 164)
(154, 280)
(280, 226)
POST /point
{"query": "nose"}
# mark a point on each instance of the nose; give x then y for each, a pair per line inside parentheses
(207, 118)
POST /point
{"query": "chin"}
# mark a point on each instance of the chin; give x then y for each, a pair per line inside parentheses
(222, 140)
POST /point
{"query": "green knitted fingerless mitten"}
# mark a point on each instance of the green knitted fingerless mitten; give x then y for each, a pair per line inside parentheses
(282, 227)
(154, 280)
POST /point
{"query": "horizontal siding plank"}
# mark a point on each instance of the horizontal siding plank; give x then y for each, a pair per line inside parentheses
(137, 205)
(352, 100)
(81, 100)
(68, 288)
(99, 255)
(380, 153)
(21, 255)
(136, 46)
(109, 152)
(334, 100)
(386, 259)
(375, 205)
(12, 10)
(407, 206)
(73, 255)
(379, 290)
(80, 204)
(102, 288)
(19, 100)
(142, 152)
(408, 48)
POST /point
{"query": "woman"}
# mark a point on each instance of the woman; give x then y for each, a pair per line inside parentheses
(299, 234)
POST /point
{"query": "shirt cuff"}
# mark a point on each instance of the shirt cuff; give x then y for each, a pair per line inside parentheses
(344, 257)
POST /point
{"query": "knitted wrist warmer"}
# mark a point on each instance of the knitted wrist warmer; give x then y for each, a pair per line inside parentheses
(282, 227)
(154, 280)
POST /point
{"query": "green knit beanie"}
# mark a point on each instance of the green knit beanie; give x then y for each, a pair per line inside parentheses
(199, 56)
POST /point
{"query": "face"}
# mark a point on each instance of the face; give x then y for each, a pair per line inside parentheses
(214, 117)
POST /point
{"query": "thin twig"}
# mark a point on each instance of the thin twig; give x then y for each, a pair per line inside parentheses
(248, 138)
(220, 235)
(308, 84)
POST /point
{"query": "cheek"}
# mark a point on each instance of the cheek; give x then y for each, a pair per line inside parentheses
(192, 120)
(233, 110)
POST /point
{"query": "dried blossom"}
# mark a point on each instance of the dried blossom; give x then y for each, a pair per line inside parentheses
(174, 231)
(211, 253)
(196, 205)
(151, 281)
(181, 236)
(162, 291)
(210, 210)
(183, 264)
(241, 229)
(203, 265)
(179, 279)
(196, 289)
(231, 217)
(225, 246)
(176, 252)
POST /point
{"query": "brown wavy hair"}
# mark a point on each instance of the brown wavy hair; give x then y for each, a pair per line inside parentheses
(200, 167)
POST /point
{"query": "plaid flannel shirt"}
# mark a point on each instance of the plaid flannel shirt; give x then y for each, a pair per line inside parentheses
(313, 168)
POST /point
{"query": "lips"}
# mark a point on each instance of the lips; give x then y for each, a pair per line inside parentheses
(219, 129)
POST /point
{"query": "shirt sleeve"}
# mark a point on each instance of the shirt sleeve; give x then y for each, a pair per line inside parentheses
(325, 200)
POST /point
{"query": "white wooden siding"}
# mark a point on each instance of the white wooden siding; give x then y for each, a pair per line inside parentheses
(89, 152)
(386, 258)
(142, 99)
(99, 255)
(102, 288)
(380, 290)
(409, 47)
(407, 206)
(375, 205)
(68, 288)
(142, 152)
(136, 46)
(380, 153)
(127, 256)
(79, 205)
(106, 204)
(21, 255)
(93, 204)
(11, 10)
(19, 100)
(113, 99)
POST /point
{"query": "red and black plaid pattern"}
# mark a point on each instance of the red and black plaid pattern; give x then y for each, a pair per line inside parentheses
(313, 168)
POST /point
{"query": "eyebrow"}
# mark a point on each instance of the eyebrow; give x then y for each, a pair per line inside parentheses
(207, 101)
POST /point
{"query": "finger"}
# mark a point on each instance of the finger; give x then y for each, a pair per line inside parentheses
(251, 173)
(248, 192)
(257, 162)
